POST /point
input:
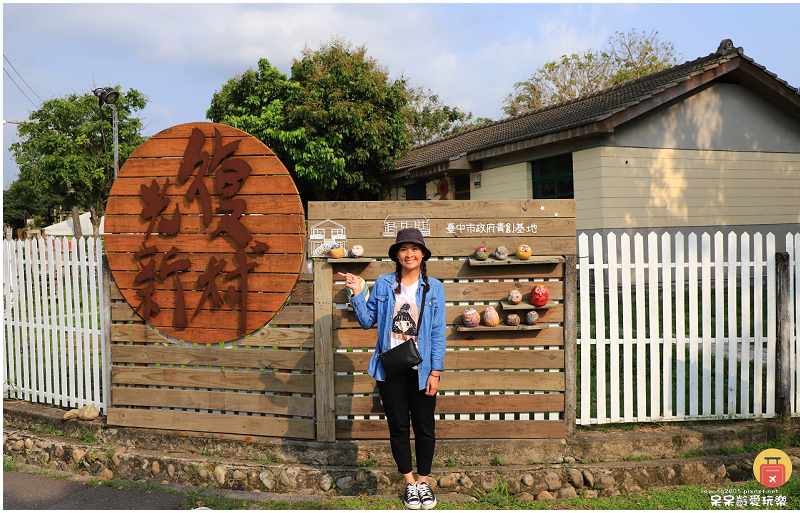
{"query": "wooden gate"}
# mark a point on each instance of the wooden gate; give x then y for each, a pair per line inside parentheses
(502, 382)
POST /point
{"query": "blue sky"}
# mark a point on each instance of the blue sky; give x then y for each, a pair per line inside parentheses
(469, 53)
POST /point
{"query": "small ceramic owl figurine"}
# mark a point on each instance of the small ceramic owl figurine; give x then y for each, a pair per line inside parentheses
(512, 320)
(471, 317)
(524, 252)
(482, 253)
(515, 297)
(357, 251)
(532, 317)
(490, 317)
(539, 295)
(364, 288)
(337, 250)
(501, 253)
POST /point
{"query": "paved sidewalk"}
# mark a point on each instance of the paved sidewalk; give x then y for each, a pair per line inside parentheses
(28, 491)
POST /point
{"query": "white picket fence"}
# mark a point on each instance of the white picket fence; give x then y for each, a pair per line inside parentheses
(54, 321)
(635, 313)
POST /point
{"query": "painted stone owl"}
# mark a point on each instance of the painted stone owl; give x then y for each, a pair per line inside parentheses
(357, 251)
(539, 295)
(523, 252)
(490, 317)
(471, 317)
(337, 250)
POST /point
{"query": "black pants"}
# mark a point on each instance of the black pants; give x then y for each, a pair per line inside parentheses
(401, 396)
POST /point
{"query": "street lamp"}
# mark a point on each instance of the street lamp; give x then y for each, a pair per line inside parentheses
(109, 96)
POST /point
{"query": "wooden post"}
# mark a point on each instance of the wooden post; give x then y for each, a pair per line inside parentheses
(323, 352)
(570, 342)
(76, 223)
(107, 280)
(783, 377)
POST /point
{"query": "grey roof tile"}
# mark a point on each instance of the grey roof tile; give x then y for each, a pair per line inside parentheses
(563, 116)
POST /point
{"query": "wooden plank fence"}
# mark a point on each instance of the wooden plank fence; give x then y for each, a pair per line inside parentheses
(53, 321)
(261, 384)
(495, 384)
(685, 330)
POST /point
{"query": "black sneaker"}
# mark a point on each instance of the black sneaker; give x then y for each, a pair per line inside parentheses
(411, 499)
(426, 496)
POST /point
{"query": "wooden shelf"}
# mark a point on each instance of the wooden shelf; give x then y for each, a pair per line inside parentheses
(332, 260)
(506, 305)
(503, 327)
(513, 260)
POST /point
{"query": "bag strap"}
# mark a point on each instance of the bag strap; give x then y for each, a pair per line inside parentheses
(421, 311)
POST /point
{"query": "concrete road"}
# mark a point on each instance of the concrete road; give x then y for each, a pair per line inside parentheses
(28, 491)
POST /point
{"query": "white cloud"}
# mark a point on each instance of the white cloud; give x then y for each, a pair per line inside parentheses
(168, 51)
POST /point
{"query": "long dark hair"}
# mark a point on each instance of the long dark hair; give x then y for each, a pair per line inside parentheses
(398, 275)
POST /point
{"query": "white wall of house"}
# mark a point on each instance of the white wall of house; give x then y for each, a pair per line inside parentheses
(621, 187)
(510, 182)
(727, 117)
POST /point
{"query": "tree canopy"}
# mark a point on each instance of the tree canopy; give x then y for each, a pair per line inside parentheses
(336, 123)
(429, 118)
(624, 57)
(65, 149)
(17, 201)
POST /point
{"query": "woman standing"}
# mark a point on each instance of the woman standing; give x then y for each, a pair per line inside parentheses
(394, 305)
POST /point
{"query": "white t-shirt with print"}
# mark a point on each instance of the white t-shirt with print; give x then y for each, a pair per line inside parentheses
(406, 316)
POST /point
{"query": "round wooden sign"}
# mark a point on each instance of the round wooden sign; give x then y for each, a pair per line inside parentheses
(205, 232)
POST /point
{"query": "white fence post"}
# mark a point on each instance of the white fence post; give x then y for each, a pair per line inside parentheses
(655, 353)
(680, 329)
(613, 324)
(796, 287)
(771, 324)
(641, 384)
(666, 281)
(586, 333)
(600, 325)
(54, 341)
(745, 408)
(733, 336)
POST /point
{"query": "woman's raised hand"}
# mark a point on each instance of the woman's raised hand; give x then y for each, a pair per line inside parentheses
(351, 280)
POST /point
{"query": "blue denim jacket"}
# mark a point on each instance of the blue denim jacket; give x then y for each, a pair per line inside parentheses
(380, 308)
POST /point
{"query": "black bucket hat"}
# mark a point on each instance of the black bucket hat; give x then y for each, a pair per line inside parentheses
(407, 235)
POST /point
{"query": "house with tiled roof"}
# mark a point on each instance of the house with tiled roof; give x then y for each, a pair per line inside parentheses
(710, 144)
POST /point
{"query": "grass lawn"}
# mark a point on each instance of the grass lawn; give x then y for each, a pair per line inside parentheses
(682, 497)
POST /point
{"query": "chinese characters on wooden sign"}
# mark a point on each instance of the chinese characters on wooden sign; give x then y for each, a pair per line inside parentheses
(491, 227)
(205, 232)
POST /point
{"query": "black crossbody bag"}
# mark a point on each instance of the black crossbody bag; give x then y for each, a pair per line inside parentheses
(401, 358)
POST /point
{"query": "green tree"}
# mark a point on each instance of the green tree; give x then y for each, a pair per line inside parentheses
(16, 201)
(336, 123)
(624, 57)
(429, 118)
(66, 148)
